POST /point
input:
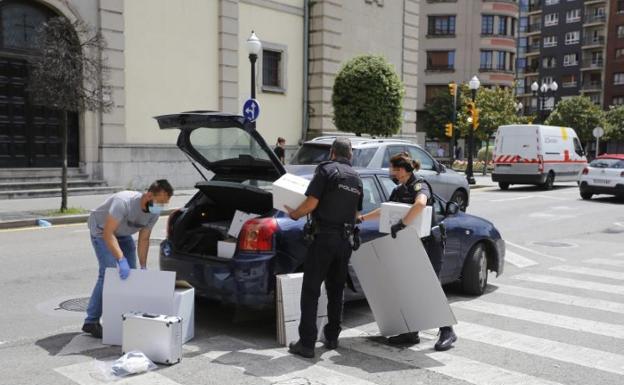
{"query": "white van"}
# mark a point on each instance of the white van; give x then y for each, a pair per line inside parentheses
(536, 154)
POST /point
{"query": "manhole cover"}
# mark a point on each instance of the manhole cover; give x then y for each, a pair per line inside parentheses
(75, 304)
(553, 244)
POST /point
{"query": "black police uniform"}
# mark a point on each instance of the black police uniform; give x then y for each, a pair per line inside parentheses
(340, 193)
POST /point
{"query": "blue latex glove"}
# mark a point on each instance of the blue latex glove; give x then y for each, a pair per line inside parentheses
(124, 268)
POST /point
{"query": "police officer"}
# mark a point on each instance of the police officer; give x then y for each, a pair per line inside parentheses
(416, 191)
(334, 198)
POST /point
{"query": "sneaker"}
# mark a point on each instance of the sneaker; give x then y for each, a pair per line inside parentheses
(446, 340)
(93, 328)
(405, 339)
(300, 350)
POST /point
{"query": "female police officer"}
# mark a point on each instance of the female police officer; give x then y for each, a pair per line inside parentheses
(416, 191)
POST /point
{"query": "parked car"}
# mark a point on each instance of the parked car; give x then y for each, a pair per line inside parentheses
(244, 167)
(536, 154)
(376, 153)
(604, 175)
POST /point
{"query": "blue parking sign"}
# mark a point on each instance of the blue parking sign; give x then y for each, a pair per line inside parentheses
(251, 109)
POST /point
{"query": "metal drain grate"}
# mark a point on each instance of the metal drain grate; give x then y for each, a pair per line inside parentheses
(75, 304)
(553, 244)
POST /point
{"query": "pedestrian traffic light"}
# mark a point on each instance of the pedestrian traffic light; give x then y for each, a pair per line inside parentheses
(452, 88)
(448, 130)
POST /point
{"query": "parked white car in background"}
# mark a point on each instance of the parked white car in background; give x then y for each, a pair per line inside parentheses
(604, 175)
(536, 154)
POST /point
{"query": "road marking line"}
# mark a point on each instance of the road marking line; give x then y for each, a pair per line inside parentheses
(554, 350)
(535, 252)
(87, 373)
(449, 365)
(572, 283)
(543, 318)
(606, 261)
(589, 271)
(512, 199)
(40, 228)
(564, 299)
(518, 260)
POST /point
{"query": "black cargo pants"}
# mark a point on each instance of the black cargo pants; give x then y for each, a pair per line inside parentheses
(327, 260)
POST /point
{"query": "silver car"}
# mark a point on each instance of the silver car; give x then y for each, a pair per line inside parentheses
(376, 153)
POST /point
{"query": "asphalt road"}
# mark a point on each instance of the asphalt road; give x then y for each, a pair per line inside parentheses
(556, 316)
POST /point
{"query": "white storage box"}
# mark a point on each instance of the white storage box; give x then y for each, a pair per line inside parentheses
(392, 212)
(238, 221)
(226, 249)
(289, 190)
(159, 337)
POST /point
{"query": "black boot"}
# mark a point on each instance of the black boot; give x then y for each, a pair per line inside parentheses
(331, 343)
(446, 340)
(405, 339)
(93, 328)
(300, 350)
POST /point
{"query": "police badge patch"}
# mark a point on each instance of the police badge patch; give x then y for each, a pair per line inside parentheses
(417, 187)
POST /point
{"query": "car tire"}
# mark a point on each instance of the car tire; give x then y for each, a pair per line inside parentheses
(503, 186)
(461, 198)
(475, 272)
(550, 181)
(586, 195)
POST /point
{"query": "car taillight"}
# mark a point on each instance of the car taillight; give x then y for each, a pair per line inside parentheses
(170, 222)
(585, 171)
(257, 235)
(540, 165)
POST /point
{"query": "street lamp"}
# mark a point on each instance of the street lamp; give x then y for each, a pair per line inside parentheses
(254, 46)
(474, 85)
(519, 106)
(543, 95)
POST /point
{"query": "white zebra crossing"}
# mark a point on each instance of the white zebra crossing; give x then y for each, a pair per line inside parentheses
(571, 283)
(518, 260)
(601, 273)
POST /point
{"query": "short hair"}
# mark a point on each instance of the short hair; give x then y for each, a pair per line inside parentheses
(281, 140)
(342, 148)
(161, 185)
(404, 161)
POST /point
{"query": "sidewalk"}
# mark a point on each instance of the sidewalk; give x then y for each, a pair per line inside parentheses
(25, 212)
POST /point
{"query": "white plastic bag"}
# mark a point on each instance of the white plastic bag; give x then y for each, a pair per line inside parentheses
(134, 362)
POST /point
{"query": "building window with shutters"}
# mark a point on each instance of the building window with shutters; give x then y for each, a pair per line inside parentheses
(273, 72)
(440, 60)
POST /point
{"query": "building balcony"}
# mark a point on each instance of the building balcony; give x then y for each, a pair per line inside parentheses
(535, 7)
(592, 64)
(592, 2)
(493, 68)
(592, 86)
(572, 84)
(440, 68)
(593, 41)
(533, 49)
(594, 19)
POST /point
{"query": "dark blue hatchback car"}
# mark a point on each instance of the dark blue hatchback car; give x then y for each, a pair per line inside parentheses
(242, 168)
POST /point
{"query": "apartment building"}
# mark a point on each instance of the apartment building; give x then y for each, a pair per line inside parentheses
(614, 68)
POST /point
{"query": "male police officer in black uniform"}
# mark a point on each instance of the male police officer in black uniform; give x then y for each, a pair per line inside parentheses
(334, 197)
(416, 191)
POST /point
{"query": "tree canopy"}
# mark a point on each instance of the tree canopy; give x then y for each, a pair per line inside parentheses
(579, 113)
(615, 123)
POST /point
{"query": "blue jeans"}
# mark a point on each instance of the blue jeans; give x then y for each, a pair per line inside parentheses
(106, 259)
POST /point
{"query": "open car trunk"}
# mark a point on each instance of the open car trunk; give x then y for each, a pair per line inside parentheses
(208, 216)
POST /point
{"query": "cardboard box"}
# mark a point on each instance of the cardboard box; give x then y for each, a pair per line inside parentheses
(289, 190)
(226, 249)
(147, 291)
(392, 212)
(238, 221)
(402, 289)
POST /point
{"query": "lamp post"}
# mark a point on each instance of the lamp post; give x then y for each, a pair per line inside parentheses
(474, 85)
(253, 48)
(543, 94)
(519, 106)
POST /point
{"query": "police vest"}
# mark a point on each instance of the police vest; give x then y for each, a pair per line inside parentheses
(341, 197)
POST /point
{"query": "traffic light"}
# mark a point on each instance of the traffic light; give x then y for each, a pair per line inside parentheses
(473, 113)
(452, 88)
(448, 130)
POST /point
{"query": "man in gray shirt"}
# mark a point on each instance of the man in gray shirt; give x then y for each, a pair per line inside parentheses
(111, 226)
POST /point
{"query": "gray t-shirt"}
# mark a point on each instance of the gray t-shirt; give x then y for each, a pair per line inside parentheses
(125, 207)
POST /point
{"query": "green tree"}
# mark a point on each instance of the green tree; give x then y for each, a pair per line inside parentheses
(438, 112)
(69, 75)
(615, 123)
(368, 97)
(579, 113)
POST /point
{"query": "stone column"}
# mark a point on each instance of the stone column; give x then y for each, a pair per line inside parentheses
(228, 56)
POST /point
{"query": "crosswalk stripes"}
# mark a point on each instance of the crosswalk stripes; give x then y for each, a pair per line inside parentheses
(601, 273)
(544, 318)
(571, 283)
(606, 262)
(518, 260)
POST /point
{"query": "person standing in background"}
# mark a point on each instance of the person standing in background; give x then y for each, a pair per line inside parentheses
(280, 149)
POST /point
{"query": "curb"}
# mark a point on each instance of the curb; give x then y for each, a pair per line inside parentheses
(58, 220)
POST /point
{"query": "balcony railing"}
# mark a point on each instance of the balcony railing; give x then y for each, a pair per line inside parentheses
(593, 63)
(592, 85)
(569, 84)
(533, 48)
(595, 19)
(594, 40)
(441, 68)
(535, 27)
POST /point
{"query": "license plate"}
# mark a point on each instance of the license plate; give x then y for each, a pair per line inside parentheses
(601, 181)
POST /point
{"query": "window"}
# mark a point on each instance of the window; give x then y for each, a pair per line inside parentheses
(552, 2)
(574, 15)
(618, 101)
(272, 78)
(577, 147)
(440, 60)
(570, 60)
(372, 197)
(513, 27)
(487, 24)
(550, 41)
(568, 81)
(502, 25)
(433, 91)
(19, 24)
(549, 62)
(620, 6)
(618, 78)
(441, 25)
(388, 184)
(551, 19)
(501, 57)
(620, 31)
(572, 37)
(524, 24)
(390, 152)
(363, 156)
(426, 161)
(486, 60)
(619, 53)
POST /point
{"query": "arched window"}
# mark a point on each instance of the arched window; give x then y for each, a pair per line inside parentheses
(20, 21)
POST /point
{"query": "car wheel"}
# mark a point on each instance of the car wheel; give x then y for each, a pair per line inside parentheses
(503, 185)
(461, 198)
(586, 194)
(475, 273)
(550, 181)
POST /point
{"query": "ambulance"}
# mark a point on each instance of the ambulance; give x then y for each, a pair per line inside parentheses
(538, 155)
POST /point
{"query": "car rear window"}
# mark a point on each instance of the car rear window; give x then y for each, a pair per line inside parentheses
(311, 154)
(363, 156)
(607, 163)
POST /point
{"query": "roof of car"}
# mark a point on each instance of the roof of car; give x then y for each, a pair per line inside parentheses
(356, 140)
(611, 156)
